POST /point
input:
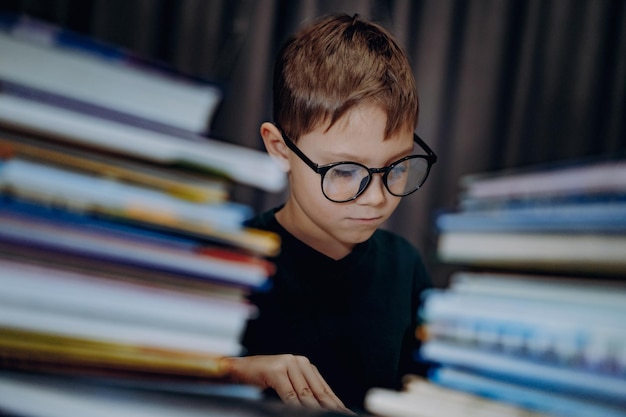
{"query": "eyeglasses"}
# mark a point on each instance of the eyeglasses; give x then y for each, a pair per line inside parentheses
(345, 181)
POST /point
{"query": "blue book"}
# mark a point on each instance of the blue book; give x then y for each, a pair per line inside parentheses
(607, 217)
(543, 401)
(520, 370)
(28, 229)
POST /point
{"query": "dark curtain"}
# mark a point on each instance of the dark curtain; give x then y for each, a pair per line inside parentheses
(503, 83)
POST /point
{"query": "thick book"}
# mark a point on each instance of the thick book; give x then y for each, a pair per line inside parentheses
(586, 177)
(520, 370)
(585, 252)
(130, 223)
(81, 123)
(196, 188)
(127, 247)
(528, 397)
(49, 184)
(608, 216)
(51, 396)
(422, 398)
(63, 62)
(585, 292)
(37, 287)
(70, 352)
(589, 336)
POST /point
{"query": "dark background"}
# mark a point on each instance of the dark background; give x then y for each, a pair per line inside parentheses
(504, 84)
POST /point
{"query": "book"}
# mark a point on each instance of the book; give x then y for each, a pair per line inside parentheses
(422, 398)
(152, 252)
(47, 184)
(566, 336)
(584, 252)
(52, 396)
(189, 187)
(601, 217)
(57, 352)
(123, 259)
(520, 370)
(37, 287)
(527, 397)
(63, 62)
(67, 120)
(585, 292)
(534, 314)
(576, 177)
(581, 335)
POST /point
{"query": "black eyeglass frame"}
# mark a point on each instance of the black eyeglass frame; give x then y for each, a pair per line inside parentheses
(430, 158)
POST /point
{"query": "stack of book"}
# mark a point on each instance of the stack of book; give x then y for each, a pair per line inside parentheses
(568, 218)
(122, 257)
(535, 315)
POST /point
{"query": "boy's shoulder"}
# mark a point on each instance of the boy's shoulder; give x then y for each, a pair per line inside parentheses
(264, 221)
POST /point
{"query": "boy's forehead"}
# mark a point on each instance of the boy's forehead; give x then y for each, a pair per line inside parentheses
(360, 136)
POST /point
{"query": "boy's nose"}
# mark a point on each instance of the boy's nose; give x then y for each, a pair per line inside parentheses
(375, 193)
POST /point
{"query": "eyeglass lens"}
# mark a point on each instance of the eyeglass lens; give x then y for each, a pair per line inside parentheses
(345, 181)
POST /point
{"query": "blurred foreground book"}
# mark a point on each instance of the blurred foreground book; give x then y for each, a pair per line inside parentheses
(123, 261)
(534, 315)
(569, 218)
(421, 398)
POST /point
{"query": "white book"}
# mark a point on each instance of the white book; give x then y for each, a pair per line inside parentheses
(41, 396)
(240, 164)
(424, 399)
(590, 177)
(48, 289)
(565, 252)
(40, 62)
(45, 321)
(585, 292)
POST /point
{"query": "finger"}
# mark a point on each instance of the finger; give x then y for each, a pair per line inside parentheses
(296, 372)
(322, 391)
(285, 390)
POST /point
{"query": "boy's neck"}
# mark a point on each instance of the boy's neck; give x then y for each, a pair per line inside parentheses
(299, 226)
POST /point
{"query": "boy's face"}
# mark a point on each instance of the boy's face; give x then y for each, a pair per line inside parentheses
(334, 228)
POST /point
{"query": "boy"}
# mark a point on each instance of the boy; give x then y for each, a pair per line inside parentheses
(341, 314)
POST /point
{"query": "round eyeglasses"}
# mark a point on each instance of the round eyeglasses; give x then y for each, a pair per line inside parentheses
(345, 181)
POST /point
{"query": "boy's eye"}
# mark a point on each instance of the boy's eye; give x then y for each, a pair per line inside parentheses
(398, 172)
(347, 171)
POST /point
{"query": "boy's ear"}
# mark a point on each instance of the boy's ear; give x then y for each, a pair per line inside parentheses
(275, 145)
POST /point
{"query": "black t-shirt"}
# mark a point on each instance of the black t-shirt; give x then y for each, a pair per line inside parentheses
(354, 318)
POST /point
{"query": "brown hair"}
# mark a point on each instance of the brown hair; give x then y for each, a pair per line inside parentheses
(335, 64)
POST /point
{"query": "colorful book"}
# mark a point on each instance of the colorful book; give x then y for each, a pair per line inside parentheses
(193, 188)
(151, 252)
(67, 120)
(48, 184)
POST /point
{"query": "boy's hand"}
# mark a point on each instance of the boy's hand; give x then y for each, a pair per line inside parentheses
(296, 380)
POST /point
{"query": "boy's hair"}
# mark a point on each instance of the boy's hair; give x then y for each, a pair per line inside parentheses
(335, 64)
